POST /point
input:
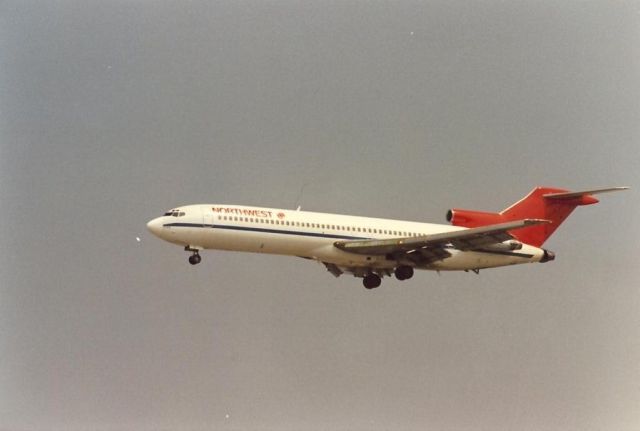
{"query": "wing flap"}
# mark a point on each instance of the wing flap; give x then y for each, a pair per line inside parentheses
(463, 239)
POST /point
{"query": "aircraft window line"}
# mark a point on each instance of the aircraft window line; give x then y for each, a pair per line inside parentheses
(303, 224)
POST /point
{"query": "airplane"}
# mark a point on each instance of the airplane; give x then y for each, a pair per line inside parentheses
(371, 248)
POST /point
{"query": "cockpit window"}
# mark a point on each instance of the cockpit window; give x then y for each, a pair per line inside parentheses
(175, 213)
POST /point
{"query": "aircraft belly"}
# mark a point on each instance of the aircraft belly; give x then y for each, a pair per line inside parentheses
(263, 242)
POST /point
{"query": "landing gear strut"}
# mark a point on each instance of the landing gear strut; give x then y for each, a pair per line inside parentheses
(371, 281)
(195, 258)
(404, 272)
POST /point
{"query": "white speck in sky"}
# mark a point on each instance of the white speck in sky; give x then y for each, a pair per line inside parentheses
(138, 238)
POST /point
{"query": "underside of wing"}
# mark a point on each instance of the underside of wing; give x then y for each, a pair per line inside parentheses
(429, 248)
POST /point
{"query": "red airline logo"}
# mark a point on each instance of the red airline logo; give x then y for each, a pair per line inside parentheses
(243, 211)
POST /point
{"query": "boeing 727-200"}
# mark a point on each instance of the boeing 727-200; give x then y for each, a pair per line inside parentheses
(372, 248)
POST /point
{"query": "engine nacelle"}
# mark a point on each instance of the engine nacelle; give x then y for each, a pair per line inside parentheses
(547, 256)
(468, 218)
(504, 246)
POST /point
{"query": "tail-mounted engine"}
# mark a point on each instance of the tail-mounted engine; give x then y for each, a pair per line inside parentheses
(548, 256)
(468, 218)
(504, 246)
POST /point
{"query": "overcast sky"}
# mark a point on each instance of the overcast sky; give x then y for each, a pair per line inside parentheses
(112, 112)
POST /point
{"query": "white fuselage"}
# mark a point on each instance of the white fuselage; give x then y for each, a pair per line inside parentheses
(312, 235)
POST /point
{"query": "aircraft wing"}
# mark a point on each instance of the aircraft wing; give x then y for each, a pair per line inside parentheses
(429, 248)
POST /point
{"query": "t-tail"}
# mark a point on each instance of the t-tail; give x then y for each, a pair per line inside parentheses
(546, 203)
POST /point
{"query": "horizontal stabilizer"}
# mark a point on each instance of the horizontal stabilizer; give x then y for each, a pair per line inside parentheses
(573, 195)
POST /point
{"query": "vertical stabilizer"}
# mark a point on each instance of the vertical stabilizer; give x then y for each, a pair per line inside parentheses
(546, 203)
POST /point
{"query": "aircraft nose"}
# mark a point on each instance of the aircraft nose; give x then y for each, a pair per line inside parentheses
(155, 226)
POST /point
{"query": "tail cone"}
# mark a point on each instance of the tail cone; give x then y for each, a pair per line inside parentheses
(547, 256)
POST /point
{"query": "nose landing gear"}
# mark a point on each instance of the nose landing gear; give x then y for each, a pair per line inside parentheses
(195, 258)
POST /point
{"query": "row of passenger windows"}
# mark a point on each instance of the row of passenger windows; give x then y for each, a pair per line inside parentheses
(317, 225)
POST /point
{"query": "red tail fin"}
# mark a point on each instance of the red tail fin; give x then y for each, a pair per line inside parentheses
(542, 203)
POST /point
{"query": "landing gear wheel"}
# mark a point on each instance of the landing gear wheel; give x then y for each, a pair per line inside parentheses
(371, 281)
(194, 259)
(404, 272)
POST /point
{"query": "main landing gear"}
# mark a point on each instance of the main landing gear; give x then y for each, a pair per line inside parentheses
(404, 272)
(373, 280)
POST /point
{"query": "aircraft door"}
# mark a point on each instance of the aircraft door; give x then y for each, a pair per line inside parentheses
(207, 216)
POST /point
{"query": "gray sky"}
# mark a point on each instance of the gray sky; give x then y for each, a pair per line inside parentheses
(112, 112)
